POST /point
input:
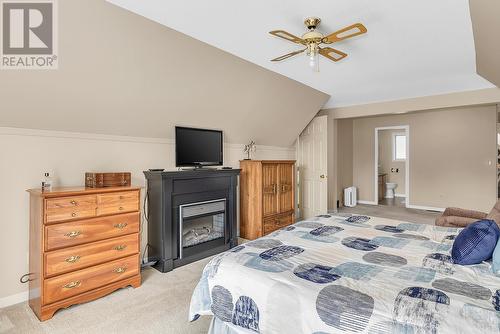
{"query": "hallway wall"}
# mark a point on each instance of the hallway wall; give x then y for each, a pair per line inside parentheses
(453, 156)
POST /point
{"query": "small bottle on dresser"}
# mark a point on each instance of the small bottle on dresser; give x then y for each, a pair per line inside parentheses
(47, 182)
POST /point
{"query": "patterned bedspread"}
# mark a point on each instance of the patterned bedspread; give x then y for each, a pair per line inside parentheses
(342, 274)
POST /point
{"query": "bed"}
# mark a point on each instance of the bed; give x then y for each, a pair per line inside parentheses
(348, 274)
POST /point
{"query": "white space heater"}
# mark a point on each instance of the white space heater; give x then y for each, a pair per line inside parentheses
(350, 196)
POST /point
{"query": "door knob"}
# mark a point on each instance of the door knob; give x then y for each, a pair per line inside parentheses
(322, 176)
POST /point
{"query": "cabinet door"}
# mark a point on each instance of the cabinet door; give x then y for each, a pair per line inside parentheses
(286, 187)
(269, 189)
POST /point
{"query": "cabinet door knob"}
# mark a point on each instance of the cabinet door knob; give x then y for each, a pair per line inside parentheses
(322, 176)
(73, 202)
(73, 214)
(120, 208)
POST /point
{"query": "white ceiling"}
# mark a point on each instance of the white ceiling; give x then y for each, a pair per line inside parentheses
(412, 48)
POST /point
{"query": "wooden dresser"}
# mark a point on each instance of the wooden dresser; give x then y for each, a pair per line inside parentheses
(84, 244)
(267, 196)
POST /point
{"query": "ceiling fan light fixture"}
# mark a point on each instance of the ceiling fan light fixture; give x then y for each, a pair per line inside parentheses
(312, 40)
(313, 55)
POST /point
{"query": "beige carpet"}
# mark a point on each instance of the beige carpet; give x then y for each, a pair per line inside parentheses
(160, 305)
(394, 212)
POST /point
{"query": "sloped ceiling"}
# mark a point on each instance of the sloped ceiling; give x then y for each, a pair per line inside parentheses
(412, 49)
(486, 23)
(122, 74)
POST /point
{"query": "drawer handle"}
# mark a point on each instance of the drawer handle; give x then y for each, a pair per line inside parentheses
(72, 285)
(122, 197)
(74, 202)
(73, 214)
(73, 259)
(121, 225)
(120, 208)
(73, 234)
(120, 270)
(120, 247)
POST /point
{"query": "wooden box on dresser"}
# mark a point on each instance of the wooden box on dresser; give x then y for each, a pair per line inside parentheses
(84, 244)
(267, 196)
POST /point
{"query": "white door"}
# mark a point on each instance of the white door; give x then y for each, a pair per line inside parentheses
(312, 164)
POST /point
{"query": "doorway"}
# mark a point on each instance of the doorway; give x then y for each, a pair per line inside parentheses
(392, 155)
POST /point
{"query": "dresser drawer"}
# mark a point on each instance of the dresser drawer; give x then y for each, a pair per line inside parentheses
(68, 285)
(84, 231)
(74, 258)
(113, 203)
(277, 222)
(71, 207)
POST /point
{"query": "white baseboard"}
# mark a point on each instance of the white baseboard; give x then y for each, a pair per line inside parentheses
(14, 299)
(367, 202)
(428, 208)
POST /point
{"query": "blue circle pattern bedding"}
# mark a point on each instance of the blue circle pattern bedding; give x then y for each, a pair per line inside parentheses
(354, 274)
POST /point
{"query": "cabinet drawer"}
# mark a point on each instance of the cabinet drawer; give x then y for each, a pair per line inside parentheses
(68, 285)
(275, 223)
(71, 207)
(74, 258)
(84, 231)
(113, 203)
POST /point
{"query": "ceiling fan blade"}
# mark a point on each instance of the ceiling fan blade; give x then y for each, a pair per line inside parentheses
(286, 35)
(291, 54)
(348, 32)
(332, 54)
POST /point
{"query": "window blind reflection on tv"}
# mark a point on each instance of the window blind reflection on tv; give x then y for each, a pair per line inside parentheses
(198, 147)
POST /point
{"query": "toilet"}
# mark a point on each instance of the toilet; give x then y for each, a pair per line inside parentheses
(390, 187)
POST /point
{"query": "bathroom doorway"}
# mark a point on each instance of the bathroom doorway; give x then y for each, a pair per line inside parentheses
(392, 156)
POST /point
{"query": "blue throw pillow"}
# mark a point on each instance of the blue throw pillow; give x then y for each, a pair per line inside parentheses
(475, 243)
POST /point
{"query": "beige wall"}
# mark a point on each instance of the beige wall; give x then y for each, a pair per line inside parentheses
(386, 162)
(452, 156)
(485, 16)
(122, 74)
(27, 154)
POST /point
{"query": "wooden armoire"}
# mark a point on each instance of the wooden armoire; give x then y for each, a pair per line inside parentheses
(267, 196)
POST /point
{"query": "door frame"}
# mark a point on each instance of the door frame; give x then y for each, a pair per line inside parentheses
(406, 129)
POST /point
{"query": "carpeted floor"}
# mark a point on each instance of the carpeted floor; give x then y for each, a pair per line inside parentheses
(160, 305)
(394, 212)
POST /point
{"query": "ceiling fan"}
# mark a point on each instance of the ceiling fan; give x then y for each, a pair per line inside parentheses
(312, 40)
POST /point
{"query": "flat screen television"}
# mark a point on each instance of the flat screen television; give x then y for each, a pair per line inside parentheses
(198, 147)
